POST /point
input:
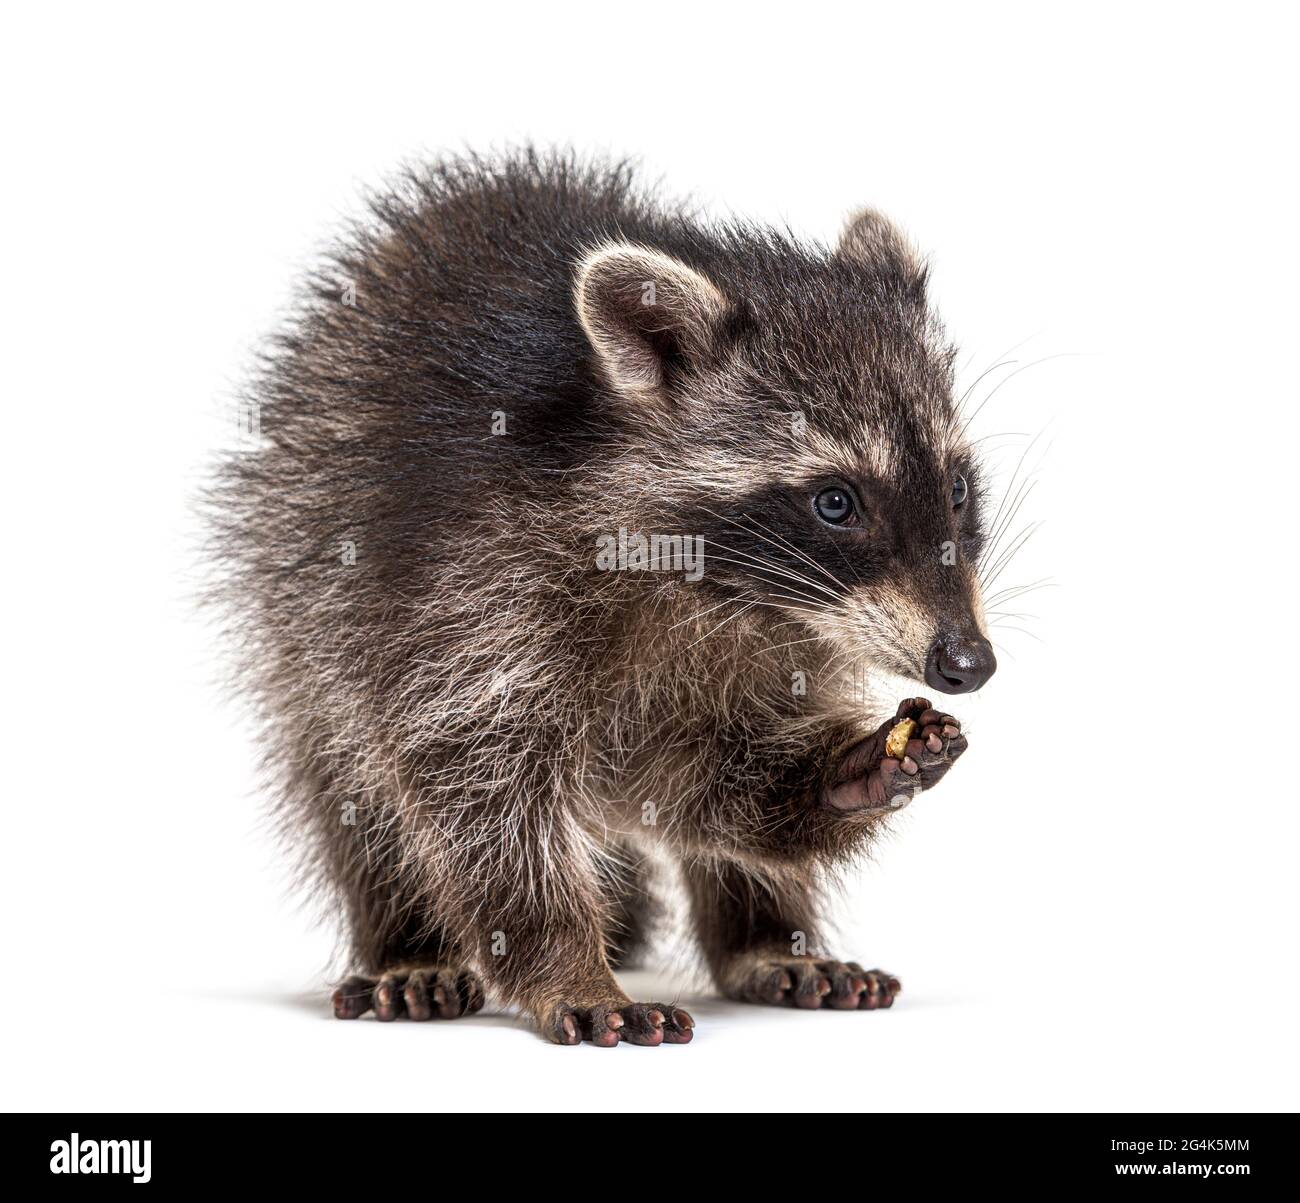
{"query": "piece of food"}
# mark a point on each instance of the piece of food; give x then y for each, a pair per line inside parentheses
(896, 740)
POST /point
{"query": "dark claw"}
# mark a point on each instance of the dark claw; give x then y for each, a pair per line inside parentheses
(416, 997)
(680, 1028)
(471, 993)
(352, 998)
(644, 1024)
(388, 1002)
(599, 1025)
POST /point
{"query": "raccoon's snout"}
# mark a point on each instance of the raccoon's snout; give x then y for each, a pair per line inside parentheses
(958, 664)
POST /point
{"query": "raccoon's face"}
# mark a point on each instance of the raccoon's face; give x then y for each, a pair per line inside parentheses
(796, 411)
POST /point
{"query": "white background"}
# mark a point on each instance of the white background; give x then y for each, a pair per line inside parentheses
(1096, 911)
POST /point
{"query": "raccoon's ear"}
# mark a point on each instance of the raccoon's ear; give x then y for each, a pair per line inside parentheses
(872, 240)
(647, 315)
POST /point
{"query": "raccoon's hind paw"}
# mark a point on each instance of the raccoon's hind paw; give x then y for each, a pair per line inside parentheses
(811, 983)
(873, 780)
(605, 1026)
(426, 992)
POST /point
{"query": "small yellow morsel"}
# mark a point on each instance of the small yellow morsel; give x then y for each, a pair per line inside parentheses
(896, 740)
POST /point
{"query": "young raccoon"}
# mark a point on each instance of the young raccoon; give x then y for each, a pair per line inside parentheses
(574, 527)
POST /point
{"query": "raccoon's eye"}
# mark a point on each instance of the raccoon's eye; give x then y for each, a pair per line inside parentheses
(958, 490)
(836, 507)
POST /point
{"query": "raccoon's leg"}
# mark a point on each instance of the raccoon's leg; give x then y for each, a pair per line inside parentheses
(632, 907)
(535, 905)
(411, 969)
(550, 953)
(754, 932)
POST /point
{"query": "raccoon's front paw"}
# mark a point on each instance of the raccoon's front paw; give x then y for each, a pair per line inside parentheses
(870, 778)
(419, 993)
(809, 982)
(605, 1025)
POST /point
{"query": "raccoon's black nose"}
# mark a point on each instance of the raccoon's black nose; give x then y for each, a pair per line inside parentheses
(958, 665)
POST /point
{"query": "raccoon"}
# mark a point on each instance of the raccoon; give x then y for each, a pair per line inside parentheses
(508, 409)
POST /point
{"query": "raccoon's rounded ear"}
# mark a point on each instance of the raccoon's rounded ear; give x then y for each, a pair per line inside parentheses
(646, 314)
(871, 239)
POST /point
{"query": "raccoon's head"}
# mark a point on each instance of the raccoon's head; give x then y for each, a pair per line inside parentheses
(794, 407)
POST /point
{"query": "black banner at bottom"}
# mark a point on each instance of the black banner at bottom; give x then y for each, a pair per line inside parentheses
(398, 1152)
